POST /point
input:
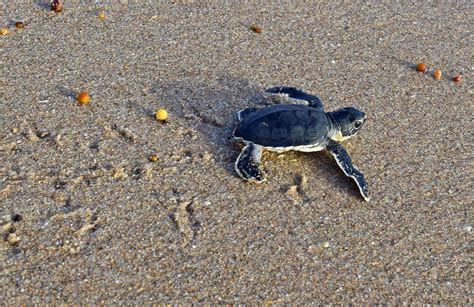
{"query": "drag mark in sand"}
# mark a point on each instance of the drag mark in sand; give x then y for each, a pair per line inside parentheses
(182, 218)
(296, 191)
(125, 133)
(208, 119)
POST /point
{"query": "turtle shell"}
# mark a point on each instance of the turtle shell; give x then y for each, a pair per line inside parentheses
(284, 126)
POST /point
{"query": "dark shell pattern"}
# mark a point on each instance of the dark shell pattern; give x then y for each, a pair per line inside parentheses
(284, 126)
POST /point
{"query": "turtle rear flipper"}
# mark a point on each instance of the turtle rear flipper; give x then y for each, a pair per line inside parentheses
(245, 112)
(295, 95)
(247, 164)
(345, 163)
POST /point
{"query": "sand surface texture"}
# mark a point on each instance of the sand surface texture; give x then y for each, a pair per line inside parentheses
(86, 217)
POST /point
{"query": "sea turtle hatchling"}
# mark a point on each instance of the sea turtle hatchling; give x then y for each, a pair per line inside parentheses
(302, 127)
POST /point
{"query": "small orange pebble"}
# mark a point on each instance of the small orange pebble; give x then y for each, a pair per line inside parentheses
(256, 29)
(4, 31)
(421, 67)
(161, 115)
(437, 74)
(101, 16)
(56, 6)
(83, 98)
(153, 158)
(457, 78)
(19, 25)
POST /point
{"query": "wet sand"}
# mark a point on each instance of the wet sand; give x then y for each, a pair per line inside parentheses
(86, 217)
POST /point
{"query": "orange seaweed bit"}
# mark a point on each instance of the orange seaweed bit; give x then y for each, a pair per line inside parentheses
(83, 98)
(421, 67)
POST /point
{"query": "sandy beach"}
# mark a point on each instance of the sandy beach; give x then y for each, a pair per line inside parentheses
(86, 217)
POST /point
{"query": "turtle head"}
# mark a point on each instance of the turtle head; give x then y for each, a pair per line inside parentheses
(347, 122)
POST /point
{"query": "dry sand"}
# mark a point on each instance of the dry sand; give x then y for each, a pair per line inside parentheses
(87, 218)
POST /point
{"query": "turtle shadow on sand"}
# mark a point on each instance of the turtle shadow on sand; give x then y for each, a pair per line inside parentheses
(319, 167)
(66, 92)
(46, 5)
(407, 64)
(326, 169)
(211, 109)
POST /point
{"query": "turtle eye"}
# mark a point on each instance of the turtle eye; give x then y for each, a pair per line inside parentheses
(358, 124)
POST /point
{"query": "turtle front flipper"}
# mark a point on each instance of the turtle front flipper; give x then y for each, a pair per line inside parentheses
(295, 95)
(247, 164)
(345, 163)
